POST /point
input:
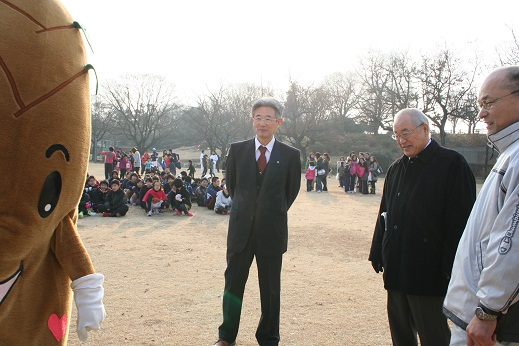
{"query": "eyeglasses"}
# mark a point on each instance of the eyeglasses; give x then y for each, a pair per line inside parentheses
(405, 135)
(488, 105)
(267, 120)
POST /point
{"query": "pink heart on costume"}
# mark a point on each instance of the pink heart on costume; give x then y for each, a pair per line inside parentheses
(58, 326)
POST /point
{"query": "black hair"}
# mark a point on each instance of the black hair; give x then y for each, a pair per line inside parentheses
(178, 183)
(116, 182)
(513, 77)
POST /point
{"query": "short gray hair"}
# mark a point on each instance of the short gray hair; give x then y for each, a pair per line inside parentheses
(416, 115)
(268, 102)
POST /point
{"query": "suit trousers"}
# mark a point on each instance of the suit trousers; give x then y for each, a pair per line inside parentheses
(411, 314)
(269, 277)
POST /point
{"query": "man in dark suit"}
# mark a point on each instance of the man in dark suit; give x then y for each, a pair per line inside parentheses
(263, 177)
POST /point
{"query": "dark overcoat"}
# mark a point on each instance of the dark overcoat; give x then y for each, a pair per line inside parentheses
(427, 200)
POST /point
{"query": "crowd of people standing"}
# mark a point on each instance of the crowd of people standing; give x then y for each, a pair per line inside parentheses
(356, 174)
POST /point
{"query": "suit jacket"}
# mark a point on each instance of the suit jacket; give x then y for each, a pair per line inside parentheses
(266, 208)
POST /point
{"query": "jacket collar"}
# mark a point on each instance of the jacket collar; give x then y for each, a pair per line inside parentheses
(424, 155)
(504, 138)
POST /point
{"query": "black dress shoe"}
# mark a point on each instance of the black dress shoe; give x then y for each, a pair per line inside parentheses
(221, 342)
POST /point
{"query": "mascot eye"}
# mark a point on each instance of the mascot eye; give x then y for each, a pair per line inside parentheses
(49, 194)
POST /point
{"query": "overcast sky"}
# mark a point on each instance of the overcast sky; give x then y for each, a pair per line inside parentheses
(206, 43)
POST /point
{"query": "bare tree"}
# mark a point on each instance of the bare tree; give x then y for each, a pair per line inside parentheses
(306, 118)
(144, 108)
(375, 80)
(470, 110)
(340, 90)
(222, 116)
(509, 55)
(401, 91)
(445, 84)
(240, 100)
(102, 118)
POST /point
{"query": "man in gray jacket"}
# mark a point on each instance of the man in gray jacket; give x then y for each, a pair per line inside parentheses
(484, 289)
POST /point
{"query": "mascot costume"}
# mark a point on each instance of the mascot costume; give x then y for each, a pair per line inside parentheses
(45, 129)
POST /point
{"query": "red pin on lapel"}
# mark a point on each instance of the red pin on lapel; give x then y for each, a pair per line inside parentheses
(57, 326)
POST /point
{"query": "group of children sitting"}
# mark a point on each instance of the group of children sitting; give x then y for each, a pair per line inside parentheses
(154, 193)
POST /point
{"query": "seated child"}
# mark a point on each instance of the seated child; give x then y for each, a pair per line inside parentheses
(136, 190)
(148, 183)
(189, 187)
(128, 184)
(201, 191)
(115, 204)
(84, 205)
(223, 202)
(182, 200)
(91, 185)
(168, 186)
(210, 194)
(154, 198)
(114, 175)
(99, 197)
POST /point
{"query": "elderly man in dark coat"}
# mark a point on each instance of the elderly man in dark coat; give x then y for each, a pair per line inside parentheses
(427, 198)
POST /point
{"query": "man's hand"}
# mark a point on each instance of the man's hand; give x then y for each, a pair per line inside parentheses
(377, 266)
(481, 333)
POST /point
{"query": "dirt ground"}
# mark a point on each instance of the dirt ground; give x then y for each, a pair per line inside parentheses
(164, 275)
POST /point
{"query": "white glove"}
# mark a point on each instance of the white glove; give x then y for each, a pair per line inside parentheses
(88, 295)
(178, 197)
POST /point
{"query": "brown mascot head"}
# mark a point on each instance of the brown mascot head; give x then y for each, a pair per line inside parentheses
(44, 146)
(44, 117)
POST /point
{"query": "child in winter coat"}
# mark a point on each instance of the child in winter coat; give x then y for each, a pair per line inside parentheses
(91, 185)
(223, 202)
(115, 204)
(310, 176)
(100, 194)
(154, 198)
(148, 184)
(191, 169)
(182, 200)
(201, 191)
